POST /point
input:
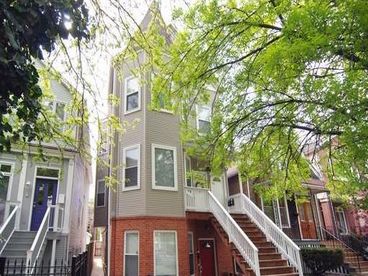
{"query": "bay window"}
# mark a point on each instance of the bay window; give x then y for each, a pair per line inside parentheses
(164, 168)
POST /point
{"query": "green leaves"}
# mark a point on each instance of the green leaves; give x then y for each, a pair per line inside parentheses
(287, 74)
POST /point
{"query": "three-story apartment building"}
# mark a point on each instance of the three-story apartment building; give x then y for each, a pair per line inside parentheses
(168, 214)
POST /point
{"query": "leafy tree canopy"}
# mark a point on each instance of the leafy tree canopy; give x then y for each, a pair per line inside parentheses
(284, 74)
(29, 29)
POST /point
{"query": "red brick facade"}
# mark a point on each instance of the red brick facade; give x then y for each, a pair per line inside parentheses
(146, 225)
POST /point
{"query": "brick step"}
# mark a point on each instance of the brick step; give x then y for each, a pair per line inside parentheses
(269, 256)
(272, 263)
(255, 234)
(266, 249)
(276, 270)
(262, 244)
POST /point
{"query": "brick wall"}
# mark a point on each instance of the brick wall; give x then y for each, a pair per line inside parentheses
(146, 226)
(203, 229)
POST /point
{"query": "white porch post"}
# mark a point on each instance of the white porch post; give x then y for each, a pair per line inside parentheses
(69, 188)
(22, 183)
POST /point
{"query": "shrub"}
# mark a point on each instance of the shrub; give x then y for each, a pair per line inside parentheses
(320, 260)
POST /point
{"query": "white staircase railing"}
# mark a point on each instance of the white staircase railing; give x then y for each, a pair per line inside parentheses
(236, 235)
(34, 252)
(8, 228)
(274, 234)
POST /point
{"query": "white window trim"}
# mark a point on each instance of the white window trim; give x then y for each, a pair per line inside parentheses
(126, 96)
(137, 146)
(197, 117)
(187, 170)
(158, 187)
(287, 212)
(346, 230)
(176, 249)
(125, 235)
(10, 185)
(98, 181)
(192, 242)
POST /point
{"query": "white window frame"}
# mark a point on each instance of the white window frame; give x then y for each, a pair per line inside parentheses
(126, 94)
(187, 170)
(137, 146)
(176, 249)
(10, 185)
(158, 187)
(342, 211)
(98, 181)
(192, 242)
(125, 243)
(197, 117)
(163, 110)
(287, 212)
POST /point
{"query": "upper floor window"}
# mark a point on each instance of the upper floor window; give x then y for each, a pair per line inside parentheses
(101, 191)
(131, 157)
(58, 108)
(132, 95)
(164, 168)
(284, 212)
(203, 119)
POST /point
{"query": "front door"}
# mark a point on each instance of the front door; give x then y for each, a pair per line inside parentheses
(217, 188)
(45, 191)
(307, 224)
(207, 258)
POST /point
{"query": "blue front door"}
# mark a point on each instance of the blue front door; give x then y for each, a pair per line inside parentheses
(45, 191)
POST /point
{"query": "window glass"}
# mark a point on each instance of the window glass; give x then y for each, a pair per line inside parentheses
(188, 169)
(204, 119)
(101, 193)
(165, 254)
(60, 111)
(131, 167)
(284, 213)
(132, 94)
(47, 172)
(132, 101)
(191, 254)
(164, 167)
(5, 174)
(131, 254)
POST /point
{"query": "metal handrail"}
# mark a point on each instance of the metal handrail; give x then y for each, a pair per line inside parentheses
(236, 235)
(8, 228)
(34, 252)
(273, 233)
(341, 242)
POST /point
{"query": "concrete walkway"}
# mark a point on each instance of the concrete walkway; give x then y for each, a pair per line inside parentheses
(97, 266)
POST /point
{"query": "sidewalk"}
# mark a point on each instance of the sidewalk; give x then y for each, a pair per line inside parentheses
(97, 266)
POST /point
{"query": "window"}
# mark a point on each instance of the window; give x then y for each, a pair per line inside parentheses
(203, 119)
(188, 171)
(165, 253)
(341, 221)
(101, 191)
(191, 253)
(58, 108)
(47, 172)
(131, 253)
(164, 171)
(5, 178)
(131, 157)
(284, 213)
(132, 95)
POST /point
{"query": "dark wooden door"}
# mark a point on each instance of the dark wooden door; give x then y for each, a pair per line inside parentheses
(207, 258)
(45, 191)
(307, 225)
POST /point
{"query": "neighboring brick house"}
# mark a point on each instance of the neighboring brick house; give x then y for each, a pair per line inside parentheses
(43, 202)
(168, 215)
